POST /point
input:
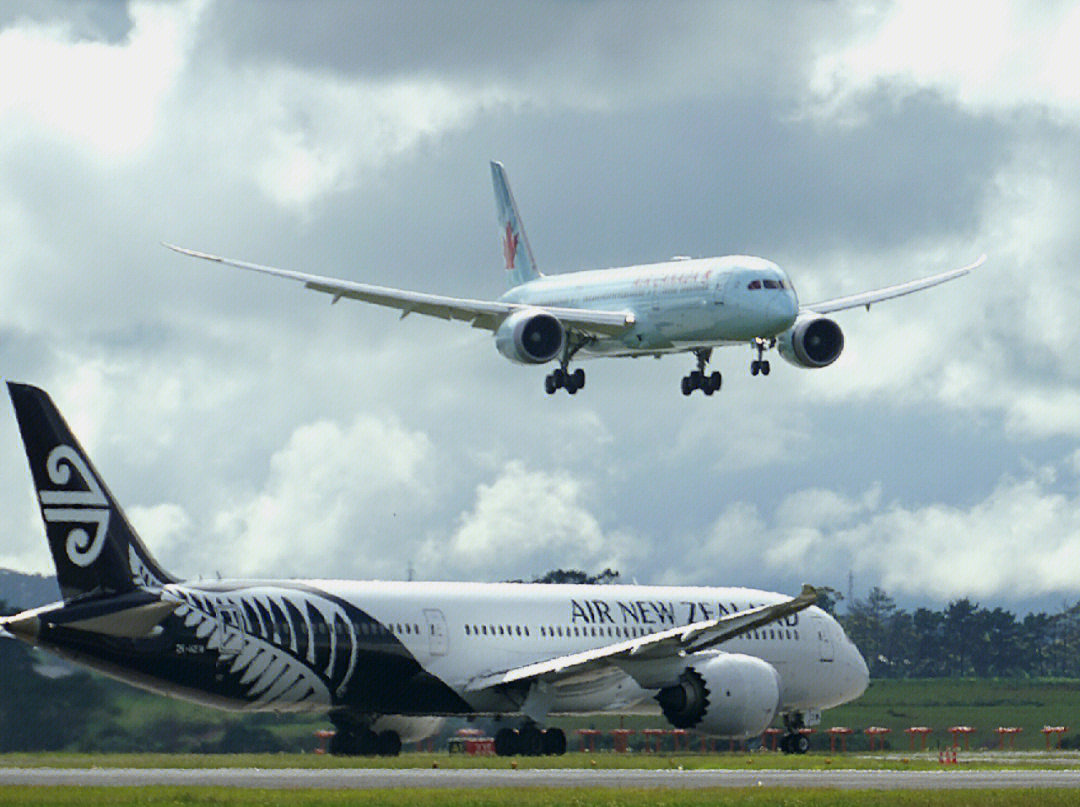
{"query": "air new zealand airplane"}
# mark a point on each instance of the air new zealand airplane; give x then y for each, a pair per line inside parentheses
(383, 659)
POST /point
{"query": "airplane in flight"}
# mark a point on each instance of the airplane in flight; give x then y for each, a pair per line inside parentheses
(383, 658)
(680, 306)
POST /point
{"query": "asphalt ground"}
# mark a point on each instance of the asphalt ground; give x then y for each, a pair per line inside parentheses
(381, 778)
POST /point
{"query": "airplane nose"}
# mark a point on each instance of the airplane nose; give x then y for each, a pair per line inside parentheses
(782, 311)
(857, 673)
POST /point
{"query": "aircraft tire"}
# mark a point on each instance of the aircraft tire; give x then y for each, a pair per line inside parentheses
(342, 744)
(549, 384)
(765, 367)
(571, 385)
(559, 377)
(367, 743)
(579, 378)
(686, 388)
(530, 741)
(755, 365)
(716, 380)
(800, 744)
(388, 744)
(785, 744)
(506, 742)
(554, 743)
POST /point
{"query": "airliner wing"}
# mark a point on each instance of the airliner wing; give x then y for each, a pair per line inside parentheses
(668, 643)
(867, 298)
(486, 314)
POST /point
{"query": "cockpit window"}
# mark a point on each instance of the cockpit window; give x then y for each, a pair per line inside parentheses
(754, 284)
(772, 284)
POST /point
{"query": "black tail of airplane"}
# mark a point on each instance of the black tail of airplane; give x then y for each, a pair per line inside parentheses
(94, 547)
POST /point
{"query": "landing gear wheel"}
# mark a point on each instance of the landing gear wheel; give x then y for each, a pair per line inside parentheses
(686, 387)
(549, 384)
(800, 744)
(715, 380)
(765, 367)
(343, 743)
(755, 366)
(579, 378)
(367, 743)
(388, 744)
(530, 741)
(554, 743)
(506, 742)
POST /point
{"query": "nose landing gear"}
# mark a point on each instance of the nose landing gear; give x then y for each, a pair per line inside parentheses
(699, 379)
(760, 365)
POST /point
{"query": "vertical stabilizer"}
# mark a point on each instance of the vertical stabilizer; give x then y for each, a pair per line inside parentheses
(517, 255)
(94, 548)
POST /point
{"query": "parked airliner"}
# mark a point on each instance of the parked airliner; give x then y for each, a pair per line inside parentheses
(679, 306)
(383, 658)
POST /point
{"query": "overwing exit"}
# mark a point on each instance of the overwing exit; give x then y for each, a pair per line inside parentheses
(679, 306)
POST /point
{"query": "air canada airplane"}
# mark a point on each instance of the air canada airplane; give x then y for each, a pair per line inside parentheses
(385, 658)
(679, 306)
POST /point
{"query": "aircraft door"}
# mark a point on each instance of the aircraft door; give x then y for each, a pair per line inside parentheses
(824, 639)
(436, 626)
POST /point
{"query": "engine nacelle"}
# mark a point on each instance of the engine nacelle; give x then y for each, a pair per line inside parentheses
(726, 695)
(813, 341)
(530, 336)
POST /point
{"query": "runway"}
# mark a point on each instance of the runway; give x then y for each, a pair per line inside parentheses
(381, 778)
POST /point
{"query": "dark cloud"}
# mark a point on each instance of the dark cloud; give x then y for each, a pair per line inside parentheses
(94, 20)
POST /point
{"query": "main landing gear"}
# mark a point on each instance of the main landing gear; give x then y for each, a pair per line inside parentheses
(561, 377)
(699, 379)
(354, 740)
(530, 741)
(760, 365)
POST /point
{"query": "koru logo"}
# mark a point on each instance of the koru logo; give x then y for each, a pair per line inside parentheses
(87, 507)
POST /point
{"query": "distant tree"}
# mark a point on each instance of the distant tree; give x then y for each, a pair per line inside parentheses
(578, 576)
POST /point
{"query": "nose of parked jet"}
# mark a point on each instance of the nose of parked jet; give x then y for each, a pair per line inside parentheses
(856, 675)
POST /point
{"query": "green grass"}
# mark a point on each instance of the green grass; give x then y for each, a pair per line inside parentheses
(603, 761)
(525, 797)
(981, 703)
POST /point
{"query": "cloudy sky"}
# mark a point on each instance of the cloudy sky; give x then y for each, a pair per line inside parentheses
(251, 428)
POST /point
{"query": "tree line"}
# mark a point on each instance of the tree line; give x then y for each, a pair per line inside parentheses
(962, 639)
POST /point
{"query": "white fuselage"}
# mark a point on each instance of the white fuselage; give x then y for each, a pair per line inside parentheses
(676, 305)
(461, 632)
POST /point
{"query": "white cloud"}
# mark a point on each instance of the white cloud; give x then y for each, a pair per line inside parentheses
(1021, 540)
(100, 96)
(988, 55)
(526, 522)
(339, 501)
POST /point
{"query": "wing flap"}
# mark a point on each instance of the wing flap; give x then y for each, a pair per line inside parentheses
(663, 644)
(868, 298)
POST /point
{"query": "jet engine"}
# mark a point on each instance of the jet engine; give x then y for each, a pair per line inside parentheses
(813, 341)
(530, 336)
(726, 695)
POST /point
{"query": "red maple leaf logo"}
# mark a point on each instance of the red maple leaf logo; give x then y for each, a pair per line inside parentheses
(510, 243)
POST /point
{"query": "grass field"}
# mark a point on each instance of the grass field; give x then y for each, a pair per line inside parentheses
(168, 796)
(607, 761)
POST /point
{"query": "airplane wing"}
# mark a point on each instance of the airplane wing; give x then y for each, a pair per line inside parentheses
(486, 314)
(667, 643)
(867, 298)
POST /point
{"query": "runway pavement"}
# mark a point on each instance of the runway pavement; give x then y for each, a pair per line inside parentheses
(374, 778)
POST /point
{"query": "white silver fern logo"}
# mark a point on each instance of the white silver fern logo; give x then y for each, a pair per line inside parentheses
(88, 507)
(263, 648)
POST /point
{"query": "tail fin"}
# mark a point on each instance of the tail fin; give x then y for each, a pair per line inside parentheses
(520, 265)
(94, 548)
